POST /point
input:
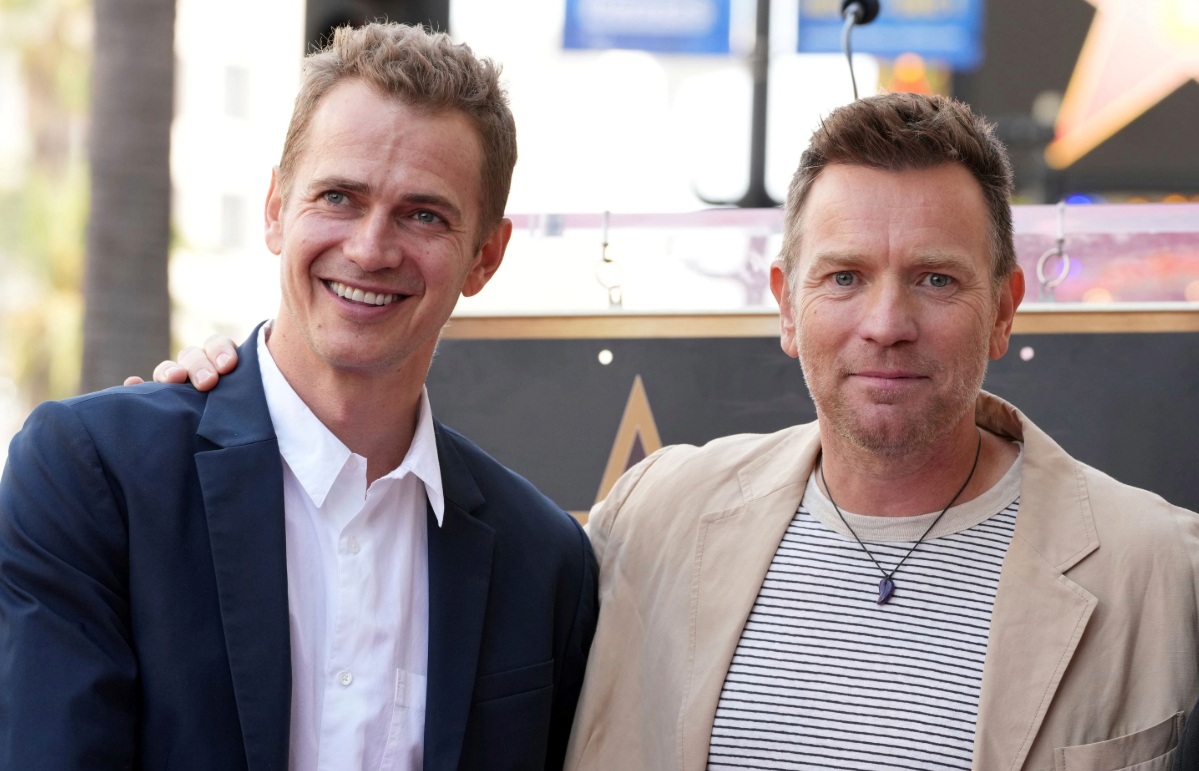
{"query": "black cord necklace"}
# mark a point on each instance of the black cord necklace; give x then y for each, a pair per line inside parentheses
(886, 587)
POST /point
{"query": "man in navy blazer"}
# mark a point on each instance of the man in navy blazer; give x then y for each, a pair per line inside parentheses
(145, 614)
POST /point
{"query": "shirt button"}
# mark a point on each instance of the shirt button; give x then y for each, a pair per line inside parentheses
(353, 546)
(345, 678)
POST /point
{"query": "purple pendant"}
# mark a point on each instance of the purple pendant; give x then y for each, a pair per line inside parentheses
(886, 588)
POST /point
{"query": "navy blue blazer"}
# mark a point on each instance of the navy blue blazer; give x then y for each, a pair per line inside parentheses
(143, 593)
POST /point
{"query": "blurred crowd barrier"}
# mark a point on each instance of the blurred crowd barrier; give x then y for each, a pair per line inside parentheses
(718, 260)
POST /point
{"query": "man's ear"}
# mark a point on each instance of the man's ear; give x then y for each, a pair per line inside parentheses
(488, 259)
(273, 214)
(781, 286)
(1011, 293)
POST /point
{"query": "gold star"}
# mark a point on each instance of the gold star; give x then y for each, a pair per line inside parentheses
(1137, 53)
(636, 438)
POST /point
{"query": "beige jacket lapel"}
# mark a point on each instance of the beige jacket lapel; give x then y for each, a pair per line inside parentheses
(1039, 614)
(746, 536)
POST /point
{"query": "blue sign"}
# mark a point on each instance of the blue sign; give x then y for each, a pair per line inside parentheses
(948, 31)
(665, 26)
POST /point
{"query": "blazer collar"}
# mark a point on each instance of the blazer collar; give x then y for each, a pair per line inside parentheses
(1055, 509)
(241, 482)
(1040, 614)
(746, 535)
(236, 413)
(241, 479)
(460, 556)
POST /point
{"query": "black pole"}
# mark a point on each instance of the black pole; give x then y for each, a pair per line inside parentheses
(756, 196)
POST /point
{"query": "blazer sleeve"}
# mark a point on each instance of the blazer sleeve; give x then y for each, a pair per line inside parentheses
(67, 670)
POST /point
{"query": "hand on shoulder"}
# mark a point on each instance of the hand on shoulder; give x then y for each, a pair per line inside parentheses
(202, 366)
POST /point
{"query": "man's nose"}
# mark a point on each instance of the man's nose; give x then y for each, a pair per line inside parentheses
(890, 315)
(374, 243)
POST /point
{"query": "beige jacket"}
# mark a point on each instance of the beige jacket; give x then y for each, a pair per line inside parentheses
(1094, 644)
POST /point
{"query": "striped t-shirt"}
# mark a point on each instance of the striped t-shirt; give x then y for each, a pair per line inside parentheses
(823, 677)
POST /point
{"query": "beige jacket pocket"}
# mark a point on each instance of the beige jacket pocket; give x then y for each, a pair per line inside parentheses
(1149, 750)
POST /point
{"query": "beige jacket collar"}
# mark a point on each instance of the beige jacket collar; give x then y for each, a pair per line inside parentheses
(1039, 614)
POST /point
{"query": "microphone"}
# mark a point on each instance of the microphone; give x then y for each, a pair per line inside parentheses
(855, 13)
(862, 11)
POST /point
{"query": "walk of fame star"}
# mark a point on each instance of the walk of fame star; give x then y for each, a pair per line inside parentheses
(636, 438)
(1136, 54)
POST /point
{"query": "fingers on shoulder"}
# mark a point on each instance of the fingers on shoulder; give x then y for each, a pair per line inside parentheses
(167, 372)
(221, 352)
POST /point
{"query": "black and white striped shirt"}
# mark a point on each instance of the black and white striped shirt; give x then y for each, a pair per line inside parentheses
(823, 677)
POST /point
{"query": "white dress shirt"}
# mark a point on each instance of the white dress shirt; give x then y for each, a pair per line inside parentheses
(358, 589)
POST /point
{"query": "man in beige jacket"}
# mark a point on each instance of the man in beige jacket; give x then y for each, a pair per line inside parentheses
(921, 579)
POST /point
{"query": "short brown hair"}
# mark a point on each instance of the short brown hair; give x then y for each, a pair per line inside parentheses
(897, 132)
(421, 69)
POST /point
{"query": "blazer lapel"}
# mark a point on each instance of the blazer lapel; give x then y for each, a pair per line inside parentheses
(746, 536)
(460, 553)
(241, 481)
(1040, 614)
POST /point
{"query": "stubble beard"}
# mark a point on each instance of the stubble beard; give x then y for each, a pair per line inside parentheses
(921, 427)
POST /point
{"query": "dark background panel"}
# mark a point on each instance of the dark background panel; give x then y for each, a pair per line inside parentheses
(322, 16)
(1127, 404)
(550, 410)
(1031, 47)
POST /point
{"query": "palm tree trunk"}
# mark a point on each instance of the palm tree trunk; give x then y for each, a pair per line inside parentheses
(126, 328)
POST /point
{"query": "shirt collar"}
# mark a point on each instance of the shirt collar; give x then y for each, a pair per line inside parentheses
(316, 456)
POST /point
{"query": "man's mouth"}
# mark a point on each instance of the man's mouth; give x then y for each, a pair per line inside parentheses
(889, 380)
(354, 294)
(888, 374)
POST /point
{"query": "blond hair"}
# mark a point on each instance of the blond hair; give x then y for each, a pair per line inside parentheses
(421, 69)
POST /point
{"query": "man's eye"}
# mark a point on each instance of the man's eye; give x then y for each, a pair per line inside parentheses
(427, 217)
(843, 278)
(939, 280)
(334, 197)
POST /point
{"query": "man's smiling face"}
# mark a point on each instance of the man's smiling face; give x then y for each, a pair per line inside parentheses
(892, 310)
(379, 232)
